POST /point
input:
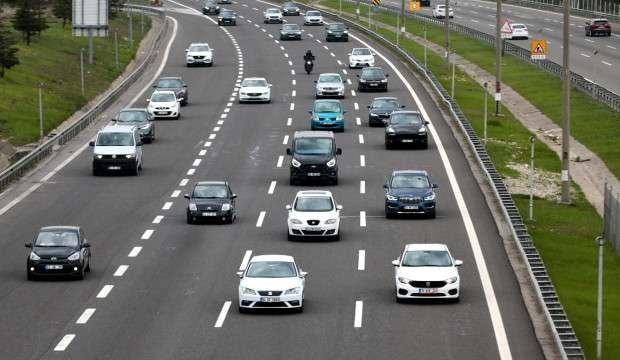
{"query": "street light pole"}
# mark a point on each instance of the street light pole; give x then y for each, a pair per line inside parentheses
(486, 93)
(531, 179)
(566, 107)
(82, 70)
(447, 31)
(40, 112)
(600, 241)
(498, 57)
(594, 53)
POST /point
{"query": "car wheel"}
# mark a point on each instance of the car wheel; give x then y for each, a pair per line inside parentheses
(431, 214)
(81, 276)
(190, 219)
(88, 265)
(398, 300)
(389, 214)
(335, 181)
(292, 182)
(336, 237)
(30, 276)
(243, 310)
(300, 309)
(388, 146)
(95, 171)
(291, 237)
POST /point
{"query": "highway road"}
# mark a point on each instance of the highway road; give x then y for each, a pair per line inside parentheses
(601, 68)
(163, 289)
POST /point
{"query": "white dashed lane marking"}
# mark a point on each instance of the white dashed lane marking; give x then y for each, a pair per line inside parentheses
(202, 152)
(362, 160)
(196, 162)
(64, 342)
(362, 187)
(147, 234)
(105, 291)
(361, 138)
(272, 187)
(185, 181)
(135, 251)
(289, 121)
(359, 308)
(280, 161)
(222, 316)
(83, 319)
(167, 205)
(285, 140)
(176, 193)
(245, 260)
(120, 271)
(358, 121)
(361, 260)
(356, 106)
(362, 218)
(158, 219)
(261, 218)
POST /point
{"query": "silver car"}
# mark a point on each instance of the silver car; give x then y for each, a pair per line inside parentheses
(330, 85)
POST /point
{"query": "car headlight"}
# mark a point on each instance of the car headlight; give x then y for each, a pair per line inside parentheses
(226, 207)
(144, 127)
(383, 80)
(345, 32)
(295, 163)
(331, 221)
(452, 280)
(362, 80)
(403, 280)
(295, 290)
(390, 130)
(295, 221)
(339, 118)
(247, 291)
(422, 129)
(331, 163)
(34, 256)
(99, 156)
(217, 8)
(130, 156)
(329, 31)
(74, 256)
(391, 197)
(193, 207)
(429, 197)
(315, 117)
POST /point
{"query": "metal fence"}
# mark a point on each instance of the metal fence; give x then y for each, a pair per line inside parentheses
(585, 8)
(27, 163)
(580, 83)
(611, 217)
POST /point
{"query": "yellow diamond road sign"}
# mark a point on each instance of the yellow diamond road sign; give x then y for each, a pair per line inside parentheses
(538, 49)
(376, 2)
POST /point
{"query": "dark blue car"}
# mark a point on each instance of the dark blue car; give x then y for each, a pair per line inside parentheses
(409, 192)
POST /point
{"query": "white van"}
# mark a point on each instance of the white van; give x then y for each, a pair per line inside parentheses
(117, 148)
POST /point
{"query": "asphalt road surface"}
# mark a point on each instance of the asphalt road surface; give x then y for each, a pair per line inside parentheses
(163, 289)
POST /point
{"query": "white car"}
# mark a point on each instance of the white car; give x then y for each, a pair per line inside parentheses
(313, 17)
(255, 89)
(360, 57)
(426, 271)
(329, 85)
(439, 12)
(314, 214)
(271, 281)
(272, 15)
(117, 148)
(164, 104)
(519, 31)
(199, 54)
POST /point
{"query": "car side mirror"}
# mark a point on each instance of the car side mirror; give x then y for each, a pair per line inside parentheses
(233, 196)
(139, 143)
(309, 111)
(240, 274)
(148, 100)
(184, 85)
(402, 106)
(303, 274)
(426, 122)
(368, 107)
(387, 75)
(186, 196)
(186, 50)
(288, 207)
(458, 262)
(339, 207)
(288, 151)
(358, 75)
(435, 186)
(154, 85)
(338, 151)
(92, 143)
(315, 81)
(114, 120)
(395, 262)
(85, 245)
(385, 186)
(344, 111)
(28, 245)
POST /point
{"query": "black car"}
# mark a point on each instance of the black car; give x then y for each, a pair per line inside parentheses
(425, 3)
(380, 109)
(372, 79)
(409, 192)
(314, 156)
(406, 128)
(290, 32)
(140, 118)
(175, 84)
(336, 32)
(290, 8)
(58, 250)
(211, 200)
(227, 17)
(210, 7)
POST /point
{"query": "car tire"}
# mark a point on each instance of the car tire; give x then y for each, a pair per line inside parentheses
(87, 269)
(243, 310)
(388, 146)
(30, 276)
(432, 214)
(291, 237)
(300, 309)
(81, 275)
(96, 172)
(389, 214)
(292, 182)
(334, 181)
(190, 219)
(336, 237)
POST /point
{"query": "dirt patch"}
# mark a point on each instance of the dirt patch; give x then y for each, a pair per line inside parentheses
(546, 184)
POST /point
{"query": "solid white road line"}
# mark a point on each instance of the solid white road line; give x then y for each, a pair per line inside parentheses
(120, 271)
(280, 161)
(362, 218)
(361, 138)
(222, 316)
(245, 260)
(362, 160)
(147, 234)
(272, 187)
(64, 342)
(176, 193)
(361, 260)
(83, 319)
(362, 187)
(167, 205)
(105, 291)
(135, 251)
(191, 171)
(285, 140)
(158, 219)
(261, 218)
(359, 308)
(606, 63)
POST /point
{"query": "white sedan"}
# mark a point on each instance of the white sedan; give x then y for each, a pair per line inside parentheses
(519, 31)
(164, 104)
(360, 57)
(272, 15)
(255, 89)
(439, 12)
(314, 214)
(426, 271)
(313, 17)
(271, 281)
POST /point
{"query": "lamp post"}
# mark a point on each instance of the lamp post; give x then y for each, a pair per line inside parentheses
(566, 84)
(600, 241)
(486, 93)
(531, 179)
(41, 85)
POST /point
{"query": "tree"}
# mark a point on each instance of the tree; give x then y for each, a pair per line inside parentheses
(62, 9)
(29, 19)
(8, 51)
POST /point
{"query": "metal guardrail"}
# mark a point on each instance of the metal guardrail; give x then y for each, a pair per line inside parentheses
(588, 9)
(566, 340)
(580, 83)
(26, 163)
(611, 217)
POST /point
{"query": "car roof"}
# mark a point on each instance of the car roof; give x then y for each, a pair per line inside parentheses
(372, 68)
(407, 112)
(286, 258)
(60, 227)
(600, 19)
(411, 247)
(384, 98)
(254, 78)
(412, 172)
(134, 109)
(309, 193)
(211, 183)
(327, 101)
(165, 92)
(171, 78)
(273, 9)
(118, 128)
(316, 134)
(198, 43)
(325, 74)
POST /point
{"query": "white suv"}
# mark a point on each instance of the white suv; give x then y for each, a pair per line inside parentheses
(164, 104)
(117, 148)
(313, 17)
(314, 214)
(199, 54)
(272, 15)
(439, 12)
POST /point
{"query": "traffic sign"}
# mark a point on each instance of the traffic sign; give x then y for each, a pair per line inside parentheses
(376, 2)
(538, 49)
(414, 6)
(506, 29)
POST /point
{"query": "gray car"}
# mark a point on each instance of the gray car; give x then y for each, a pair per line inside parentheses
(175, 84)
(290, 32)
(140, 118)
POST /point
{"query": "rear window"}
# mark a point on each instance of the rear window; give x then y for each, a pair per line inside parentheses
(601, 22)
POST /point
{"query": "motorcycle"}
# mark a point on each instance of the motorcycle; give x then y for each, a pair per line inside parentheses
(308, 66)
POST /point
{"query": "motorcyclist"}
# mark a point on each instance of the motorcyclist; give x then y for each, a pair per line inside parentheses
(308, 56)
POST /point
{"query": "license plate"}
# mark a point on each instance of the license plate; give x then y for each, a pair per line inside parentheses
(270, 299)
(53, 267)
(411, 207)
(312, 229)
(314, 174)
(161, 112)
(427, 291)
(407, 140)
(114, 167)
(209, 214)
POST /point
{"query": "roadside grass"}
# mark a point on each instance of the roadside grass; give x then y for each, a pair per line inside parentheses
(54, 60)
(593, 124)
(563, 234)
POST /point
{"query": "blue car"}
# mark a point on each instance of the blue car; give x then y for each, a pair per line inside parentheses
(327, 115)
(409, 192)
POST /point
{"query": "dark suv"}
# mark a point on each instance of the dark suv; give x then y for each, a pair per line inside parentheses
(409, 192)
(227, 17)
(598, 26)
(380, 109)
(210, 7)
(211, 200)
(314, 157)
(372, 79)
(336, 32)
(406, 128)
(175, 84)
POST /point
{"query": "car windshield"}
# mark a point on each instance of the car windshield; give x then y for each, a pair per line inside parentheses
(600, 22)
(330, 79)
(210, 3)
(313, 146)
(314, 203)
(271, 269)
(372, 73)
(518, 26)
(57, 238)
(273, 11)
(290, 27)
(227, 13)
(313, 13)
(163, 97)
(336, 27)
(254, 82)
(406, 119)
(288, 5)
(410, 181)
(199, 48)
(132, 117)
(324, 106)
(210, 192)
(426, 258)
(115, 139)
(385, 104)
(169, 83)
(361, 51)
